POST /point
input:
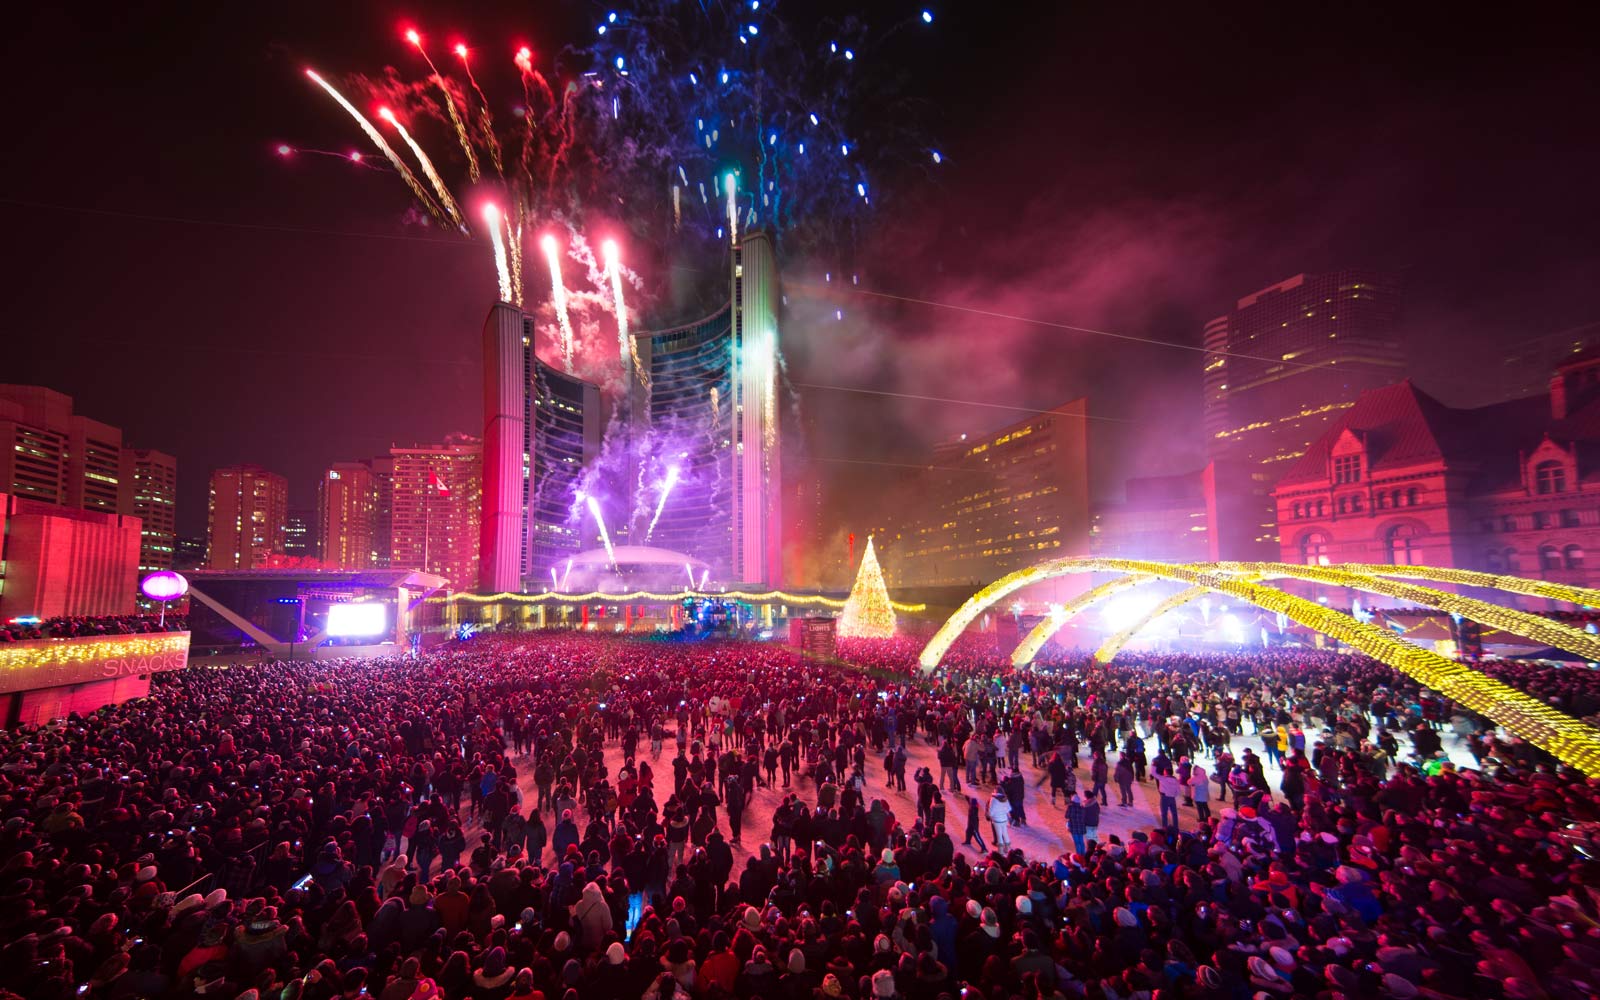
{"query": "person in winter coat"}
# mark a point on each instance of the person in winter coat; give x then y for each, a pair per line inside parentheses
(974, 824)
(1097, 775)
(566, 834)
(592, 917)
(610, 979)
(536, 836)
(1077, 824)
(1200, 788)
(1124, 777)
(1000, 819)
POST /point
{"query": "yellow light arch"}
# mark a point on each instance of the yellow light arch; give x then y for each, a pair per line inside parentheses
(1551, 633)
(1581, 596)
(1569, 740)
(1057, 620)
(1108, 649)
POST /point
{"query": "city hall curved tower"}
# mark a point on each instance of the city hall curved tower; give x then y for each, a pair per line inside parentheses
(712, 388)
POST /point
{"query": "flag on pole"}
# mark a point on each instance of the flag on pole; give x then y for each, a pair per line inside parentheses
(435, 484)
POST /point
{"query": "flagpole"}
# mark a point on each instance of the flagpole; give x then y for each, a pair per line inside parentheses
(427, 510)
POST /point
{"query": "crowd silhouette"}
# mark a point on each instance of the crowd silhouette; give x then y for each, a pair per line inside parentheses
(574, 816)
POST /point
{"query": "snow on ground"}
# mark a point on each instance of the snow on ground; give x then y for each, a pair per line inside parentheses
(1045, 837)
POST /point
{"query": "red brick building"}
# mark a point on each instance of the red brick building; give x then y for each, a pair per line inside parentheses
(1401, 478)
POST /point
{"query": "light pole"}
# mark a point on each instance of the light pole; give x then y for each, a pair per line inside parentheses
(163, 586)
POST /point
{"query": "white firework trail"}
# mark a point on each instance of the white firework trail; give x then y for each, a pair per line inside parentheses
(491, 218)
(445, 197)
(627, 348)
(382, 144)
(661, 505)
(605, 536)
(558, 299)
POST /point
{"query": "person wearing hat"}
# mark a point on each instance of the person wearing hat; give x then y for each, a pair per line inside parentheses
(592, 916)
(883, 986)
(887, 871)
(758, 977)
(492, 979)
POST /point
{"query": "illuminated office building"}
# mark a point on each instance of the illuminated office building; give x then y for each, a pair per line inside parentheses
(247, 519)
(992, 503)
(300, 534)
(438, 492)
(149, 484)
(1279, 370)
(347, 516)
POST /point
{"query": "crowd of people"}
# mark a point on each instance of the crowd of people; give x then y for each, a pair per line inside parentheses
(19, 630)
(570, 816)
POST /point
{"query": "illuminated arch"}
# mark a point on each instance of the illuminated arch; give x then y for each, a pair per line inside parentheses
(1581, 596)
(1573, 742)
(1368, 577)
(1057, 620)
(1540, 629)
(1108, 649)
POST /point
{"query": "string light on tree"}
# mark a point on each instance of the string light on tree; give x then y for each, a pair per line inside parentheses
(867, 613)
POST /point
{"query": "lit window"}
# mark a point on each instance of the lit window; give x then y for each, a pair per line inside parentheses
(1549, 477)
(1405, 545)
(1314, 549)
(1347, 469)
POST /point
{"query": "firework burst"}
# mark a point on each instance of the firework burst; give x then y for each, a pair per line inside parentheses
(791, 129)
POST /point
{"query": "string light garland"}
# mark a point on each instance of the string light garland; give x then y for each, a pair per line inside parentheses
(770, 596)
(1536, 627)
(44, 663)
(1058, 618)
(1573, 742)
(868, 613)
(1108, 650)
(1581, 596)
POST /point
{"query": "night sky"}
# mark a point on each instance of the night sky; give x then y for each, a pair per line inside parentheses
(1127, 167)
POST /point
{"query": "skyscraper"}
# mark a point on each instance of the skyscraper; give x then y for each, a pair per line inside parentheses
(347, 509)
(1278, 370)
(756, 446)
(149, 486)
(691, 400)
(541, 427)
(55, 455)
(383, 516)
(709, 404)
(437, 506)
(248, 517)
(992, 503)
(300, 534)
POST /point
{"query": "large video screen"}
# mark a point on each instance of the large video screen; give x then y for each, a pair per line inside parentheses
(357, 619)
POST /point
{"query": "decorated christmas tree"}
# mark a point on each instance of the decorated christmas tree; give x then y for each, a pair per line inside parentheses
(868, 613)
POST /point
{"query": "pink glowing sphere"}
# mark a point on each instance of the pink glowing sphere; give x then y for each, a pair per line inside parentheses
(164, 586)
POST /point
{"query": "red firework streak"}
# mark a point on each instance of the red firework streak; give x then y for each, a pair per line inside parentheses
(852, 548)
